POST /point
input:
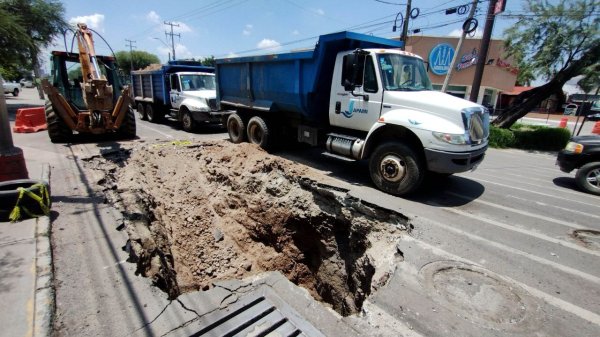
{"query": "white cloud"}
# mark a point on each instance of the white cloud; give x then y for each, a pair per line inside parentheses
(178, 27)
(247, 29)
(268, 44)
(457, 32)
(295, 32)
(153, 17)
(232, 54)
(94, 21)
(181, 51)
(320, 11)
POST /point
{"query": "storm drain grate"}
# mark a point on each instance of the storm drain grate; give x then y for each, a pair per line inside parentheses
(256, 315)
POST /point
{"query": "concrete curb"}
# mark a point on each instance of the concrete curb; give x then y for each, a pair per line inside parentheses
(44, 292)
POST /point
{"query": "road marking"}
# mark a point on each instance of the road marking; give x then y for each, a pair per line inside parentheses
(515, 251)
(524, 231)
(557, 207)
(513, 210)
(157, 131)
(534, 192)
(556, 302)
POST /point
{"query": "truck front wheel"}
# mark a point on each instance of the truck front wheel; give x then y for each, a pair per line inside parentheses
(236, 128)
(588, 177)
(141, 112)
(396, 169)
(258, 132)
(187, 122)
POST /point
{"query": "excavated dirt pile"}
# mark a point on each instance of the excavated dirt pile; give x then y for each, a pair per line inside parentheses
(200, 212)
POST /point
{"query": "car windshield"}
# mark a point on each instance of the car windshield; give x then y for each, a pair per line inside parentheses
(403, 73)
(197, 82)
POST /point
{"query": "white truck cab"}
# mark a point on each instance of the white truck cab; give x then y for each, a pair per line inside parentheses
(193, 96)
(383, 106)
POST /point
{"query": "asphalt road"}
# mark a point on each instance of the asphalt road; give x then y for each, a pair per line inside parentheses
(510, 249)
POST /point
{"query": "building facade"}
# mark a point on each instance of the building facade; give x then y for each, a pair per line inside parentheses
(500, 73)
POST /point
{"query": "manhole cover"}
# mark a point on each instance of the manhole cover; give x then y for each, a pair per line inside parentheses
(479, 295)
(588, 238)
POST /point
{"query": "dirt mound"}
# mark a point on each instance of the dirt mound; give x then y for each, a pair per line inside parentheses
(201, 212)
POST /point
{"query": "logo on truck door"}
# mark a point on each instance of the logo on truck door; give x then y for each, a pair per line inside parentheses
(352, 110)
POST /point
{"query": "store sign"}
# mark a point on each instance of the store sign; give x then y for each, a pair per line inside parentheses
(440, 58)
(467, 60)
(507, 66)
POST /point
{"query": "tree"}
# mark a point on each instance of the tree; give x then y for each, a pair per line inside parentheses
(12, 34)
(208, 61)
(141, 60)
(556, 42)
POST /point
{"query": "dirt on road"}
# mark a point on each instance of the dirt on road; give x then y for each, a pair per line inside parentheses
(200, 212)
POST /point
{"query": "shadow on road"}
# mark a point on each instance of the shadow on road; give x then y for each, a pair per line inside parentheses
(567, 183)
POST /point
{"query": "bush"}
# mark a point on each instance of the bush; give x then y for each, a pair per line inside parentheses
(501, 138)
(530, 137)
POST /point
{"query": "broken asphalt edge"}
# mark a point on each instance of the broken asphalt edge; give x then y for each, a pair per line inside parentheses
(44, 275)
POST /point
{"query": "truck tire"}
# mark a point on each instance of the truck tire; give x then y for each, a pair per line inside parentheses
(258, 132)
(141, 112)
(236, 128)
(152, 113)
(127, 129)
(58, 130)
(588, 177)
(15, 92)
(187, 122)
(396, 169)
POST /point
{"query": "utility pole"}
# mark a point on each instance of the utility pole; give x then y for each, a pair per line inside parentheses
(131, 46)
(172, 36)
(483, 50)
(458, 46)
(405, 26)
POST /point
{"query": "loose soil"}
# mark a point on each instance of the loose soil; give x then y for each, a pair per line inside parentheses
(200, 212)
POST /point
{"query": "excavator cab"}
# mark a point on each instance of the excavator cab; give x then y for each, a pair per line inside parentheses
(85, 94)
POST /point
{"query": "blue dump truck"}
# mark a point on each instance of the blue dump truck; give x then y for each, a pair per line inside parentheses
(182, 90)
(358, 96)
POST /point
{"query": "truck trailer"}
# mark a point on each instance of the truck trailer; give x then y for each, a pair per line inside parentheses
(360, 97)
(182, 90)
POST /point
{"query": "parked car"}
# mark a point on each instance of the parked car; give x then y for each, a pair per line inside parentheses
(594, 117)
(570, 109)
(582, 153)
(10, 87)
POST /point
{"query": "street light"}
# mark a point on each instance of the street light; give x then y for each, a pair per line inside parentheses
(395, 20)
(166, 45)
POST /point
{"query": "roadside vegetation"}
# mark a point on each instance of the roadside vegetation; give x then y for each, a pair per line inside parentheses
(529, 137)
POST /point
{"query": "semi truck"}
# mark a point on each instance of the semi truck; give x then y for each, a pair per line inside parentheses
(360, 97)
(182, 90)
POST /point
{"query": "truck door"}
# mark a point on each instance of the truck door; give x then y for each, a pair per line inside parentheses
(175, 94)
(355, 111)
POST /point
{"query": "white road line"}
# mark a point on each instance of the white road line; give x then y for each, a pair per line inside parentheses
(157, 131)
(524, 231)
(552, 300)
(515, 251)
(534, 192)
(513, 210)
(571, 210)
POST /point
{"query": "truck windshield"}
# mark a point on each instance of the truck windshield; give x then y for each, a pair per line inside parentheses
(403, 73)
(197, 82)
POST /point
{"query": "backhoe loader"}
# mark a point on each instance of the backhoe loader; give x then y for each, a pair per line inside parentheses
(85, 94)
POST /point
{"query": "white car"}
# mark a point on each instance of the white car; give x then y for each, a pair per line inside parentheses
(10, 87)
(26, 83)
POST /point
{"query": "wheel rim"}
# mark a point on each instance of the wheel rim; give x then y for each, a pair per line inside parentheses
(392, 168)
(187, 121)
(255, 134)
(234, 128)
(593, 178)
(150, 113)
(140, 111)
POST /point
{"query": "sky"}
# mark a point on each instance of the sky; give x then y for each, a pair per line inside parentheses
(224, 28)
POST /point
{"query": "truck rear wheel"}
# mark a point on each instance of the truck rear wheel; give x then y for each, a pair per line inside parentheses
(396, 169)
(258, 132)
(236, 128)
(152, 113)
(141, 112)
(58, 130)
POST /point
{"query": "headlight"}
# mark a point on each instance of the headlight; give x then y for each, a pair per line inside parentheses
(450, 138)
(574, 147)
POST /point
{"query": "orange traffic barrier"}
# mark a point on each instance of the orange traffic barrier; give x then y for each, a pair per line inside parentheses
(563, 122)
(596, 128)
(30, 120)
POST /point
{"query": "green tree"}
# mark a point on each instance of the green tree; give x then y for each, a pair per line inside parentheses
(139, 59)
(12, 34)
(554, 41)
(208, 61)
